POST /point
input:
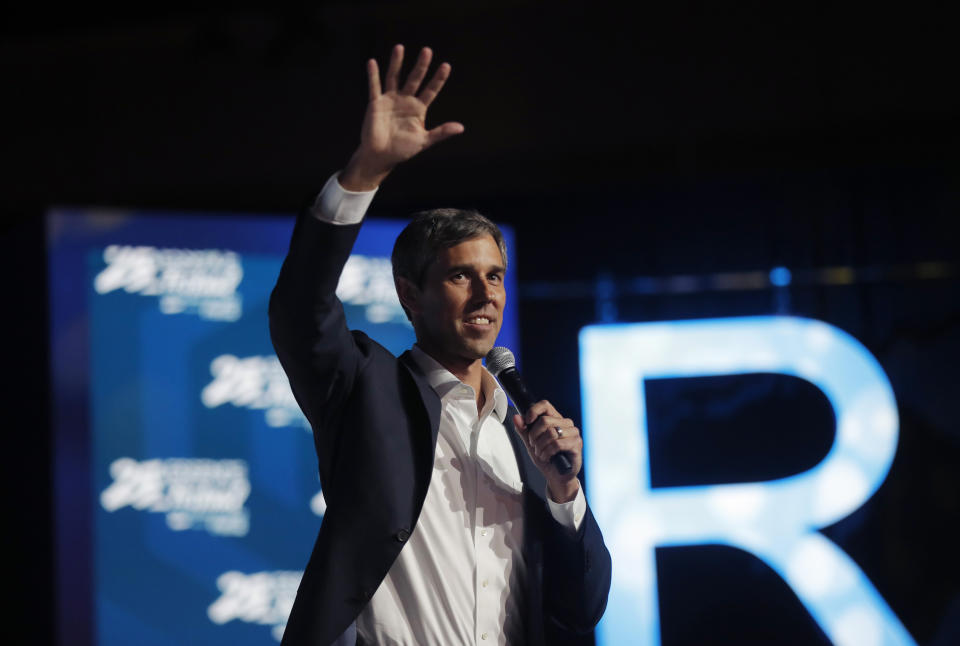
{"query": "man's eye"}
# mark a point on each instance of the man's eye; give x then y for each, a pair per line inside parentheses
(495, 278)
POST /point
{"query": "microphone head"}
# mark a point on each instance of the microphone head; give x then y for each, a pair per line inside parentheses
(499, 359)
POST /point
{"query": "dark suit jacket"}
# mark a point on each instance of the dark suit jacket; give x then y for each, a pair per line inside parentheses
(375, 420)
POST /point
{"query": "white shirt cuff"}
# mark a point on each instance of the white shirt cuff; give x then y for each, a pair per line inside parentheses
(569, 514)
(337, 205)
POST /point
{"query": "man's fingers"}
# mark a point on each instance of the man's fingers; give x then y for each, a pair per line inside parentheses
(444, 131)
(393, 72)
(550, 441)
(373, 79)
(542, 438)
(429, 93)
(559, 431)
(550, 446)
(544, 429)
(542, 407)
(418, 72)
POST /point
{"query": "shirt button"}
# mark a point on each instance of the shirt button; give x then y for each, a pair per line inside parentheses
(485, 582)
(483, 636)
(402, 536)
(483, 532)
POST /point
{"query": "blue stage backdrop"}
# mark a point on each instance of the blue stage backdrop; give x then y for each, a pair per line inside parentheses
(187, 491)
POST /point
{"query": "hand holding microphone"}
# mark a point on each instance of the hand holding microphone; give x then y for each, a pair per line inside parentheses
(550, 438)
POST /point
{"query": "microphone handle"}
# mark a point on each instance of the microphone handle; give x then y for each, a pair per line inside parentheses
(510, 379)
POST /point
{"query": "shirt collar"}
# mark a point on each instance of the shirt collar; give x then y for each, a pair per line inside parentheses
(444, 382)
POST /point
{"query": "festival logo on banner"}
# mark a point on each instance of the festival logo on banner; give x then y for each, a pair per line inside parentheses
(367, 281)
(193, 493)
(257, 383)
(264, 598)
(195, 281)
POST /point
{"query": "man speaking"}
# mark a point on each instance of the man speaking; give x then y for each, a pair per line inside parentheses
(446, 522)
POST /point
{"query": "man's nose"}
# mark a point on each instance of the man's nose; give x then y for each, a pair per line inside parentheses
(483, 290)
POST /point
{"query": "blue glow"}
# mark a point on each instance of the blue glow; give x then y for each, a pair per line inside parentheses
(776, 520)
(780, 276)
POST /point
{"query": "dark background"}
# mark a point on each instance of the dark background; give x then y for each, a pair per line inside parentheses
(663, 140)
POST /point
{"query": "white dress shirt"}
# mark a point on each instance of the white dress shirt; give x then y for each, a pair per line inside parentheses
(460, 577)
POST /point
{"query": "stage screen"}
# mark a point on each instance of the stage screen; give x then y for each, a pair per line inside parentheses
(187, 491)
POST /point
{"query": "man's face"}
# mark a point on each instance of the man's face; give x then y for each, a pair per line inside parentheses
(458, 309)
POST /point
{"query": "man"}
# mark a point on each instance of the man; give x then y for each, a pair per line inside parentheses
(445, 522)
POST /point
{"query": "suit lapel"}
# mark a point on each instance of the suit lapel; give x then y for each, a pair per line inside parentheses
(534, 505)
(532, 479)
(430, 399)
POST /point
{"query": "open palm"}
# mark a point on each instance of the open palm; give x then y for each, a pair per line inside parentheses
(394, 128)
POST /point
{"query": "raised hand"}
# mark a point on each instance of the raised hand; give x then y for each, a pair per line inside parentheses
(394, 128)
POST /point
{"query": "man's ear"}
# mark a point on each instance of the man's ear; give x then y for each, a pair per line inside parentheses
(408, 293)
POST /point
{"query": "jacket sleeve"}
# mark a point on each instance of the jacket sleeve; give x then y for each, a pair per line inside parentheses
(576, 576)
(308, 327)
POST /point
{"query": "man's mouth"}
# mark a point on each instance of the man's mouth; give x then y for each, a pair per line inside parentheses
(479, 320)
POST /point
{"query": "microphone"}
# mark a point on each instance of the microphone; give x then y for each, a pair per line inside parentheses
(503, 365)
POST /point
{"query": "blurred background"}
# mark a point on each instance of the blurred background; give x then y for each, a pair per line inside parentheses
(655, 164)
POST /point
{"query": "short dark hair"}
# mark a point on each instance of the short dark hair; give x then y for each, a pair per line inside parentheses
(417, 246)
(430, 231)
